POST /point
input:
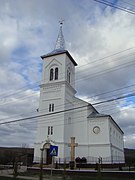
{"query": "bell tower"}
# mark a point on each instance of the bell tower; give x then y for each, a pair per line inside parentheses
(57, 91)
(59, 65)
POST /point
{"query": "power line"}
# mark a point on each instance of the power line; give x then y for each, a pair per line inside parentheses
(43, 115)
(22, 89)
(54, 117)
(106, 57)
(107, 64)
(98, 94)
(90, 77)
(114, 99)
(72, 122)
(108, 70)
(115, 90)
(41, 122)
(58, 112)
(107, 100)
(128, 3)
(114, 6)
(95, 75)
(114, 54)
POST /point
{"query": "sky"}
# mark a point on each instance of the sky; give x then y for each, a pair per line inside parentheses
(100, 38)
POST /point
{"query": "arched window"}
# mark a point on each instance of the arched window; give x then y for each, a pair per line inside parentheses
(68, 76)
(56, 73)
(51, 107)
(51, 74)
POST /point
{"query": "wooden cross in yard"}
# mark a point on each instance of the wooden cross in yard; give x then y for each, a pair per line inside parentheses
(72, 145)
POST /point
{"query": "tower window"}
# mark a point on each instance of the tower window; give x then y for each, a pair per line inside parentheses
(51, 107)
(56, 73)
(68, 76)
(51, 74)
(69, 120)
(50, 130)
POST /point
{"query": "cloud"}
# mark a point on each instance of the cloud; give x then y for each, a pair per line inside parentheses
(28, 29)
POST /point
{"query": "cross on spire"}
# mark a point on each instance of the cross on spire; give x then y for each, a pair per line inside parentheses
(61, 22)
(60, 43)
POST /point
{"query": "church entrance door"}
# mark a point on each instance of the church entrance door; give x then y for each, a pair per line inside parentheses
(48, 157)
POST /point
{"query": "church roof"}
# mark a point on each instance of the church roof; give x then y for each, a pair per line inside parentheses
(95, 114)
(60, 43)
(58, 52)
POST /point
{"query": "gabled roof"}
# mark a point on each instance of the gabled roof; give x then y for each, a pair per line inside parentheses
(95, 114)
(58, 52)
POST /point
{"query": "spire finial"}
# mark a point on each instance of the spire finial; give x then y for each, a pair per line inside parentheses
(60, 43)
(61, 22)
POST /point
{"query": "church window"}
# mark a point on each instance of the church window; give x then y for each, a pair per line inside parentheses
(96, 129)
(56, 73)
(51, 130)
(69, 120)
(51, 74)
(68, 75)
(110, 131)
(114, 133)
(51, 107)
(48, 130)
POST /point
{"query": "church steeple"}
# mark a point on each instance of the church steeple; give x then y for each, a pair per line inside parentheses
(60, 47)
(60, 43)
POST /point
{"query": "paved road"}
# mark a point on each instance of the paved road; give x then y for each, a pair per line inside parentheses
(9, 172)
(20, 177)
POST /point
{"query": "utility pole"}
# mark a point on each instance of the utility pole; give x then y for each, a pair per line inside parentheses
(15, 167)
(41, 165)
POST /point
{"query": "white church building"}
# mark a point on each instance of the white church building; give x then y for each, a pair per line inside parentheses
(62, 115)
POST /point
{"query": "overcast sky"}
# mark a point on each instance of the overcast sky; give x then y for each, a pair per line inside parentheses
(101, 39)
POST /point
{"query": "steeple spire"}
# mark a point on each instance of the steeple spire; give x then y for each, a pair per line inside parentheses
(60, 43)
